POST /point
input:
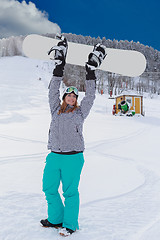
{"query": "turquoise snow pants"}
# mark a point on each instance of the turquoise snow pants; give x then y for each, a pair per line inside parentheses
(65, 168)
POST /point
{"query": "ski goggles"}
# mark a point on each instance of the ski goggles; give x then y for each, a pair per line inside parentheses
(72, 89)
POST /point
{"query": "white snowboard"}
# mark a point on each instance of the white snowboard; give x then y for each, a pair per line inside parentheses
(125, 62)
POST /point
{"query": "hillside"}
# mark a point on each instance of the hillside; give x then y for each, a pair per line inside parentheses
(120, 181)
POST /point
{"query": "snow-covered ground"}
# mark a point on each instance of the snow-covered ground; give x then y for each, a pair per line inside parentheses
(120, 181)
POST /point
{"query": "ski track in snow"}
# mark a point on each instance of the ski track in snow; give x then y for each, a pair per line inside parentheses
(18, 139)
(127, 216)
(108, 142)
(122, 217)
(93, 146)
(29, 157)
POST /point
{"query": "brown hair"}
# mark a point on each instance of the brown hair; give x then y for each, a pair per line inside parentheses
(64, 106)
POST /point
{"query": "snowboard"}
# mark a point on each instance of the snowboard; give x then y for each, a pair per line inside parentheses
(124, 62)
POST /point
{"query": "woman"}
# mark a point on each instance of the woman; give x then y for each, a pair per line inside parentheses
(65, 161)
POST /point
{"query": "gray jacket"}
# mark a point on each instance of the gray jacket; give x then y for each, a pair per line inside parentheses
(65, 133)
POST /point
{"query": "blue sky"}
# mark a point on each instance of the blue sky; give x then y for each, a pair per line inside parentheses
(137, 20)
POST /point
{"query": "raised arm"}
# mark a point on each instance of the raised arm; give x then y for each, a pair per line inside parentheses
(87, 101)
(54, 94)
(94, 61)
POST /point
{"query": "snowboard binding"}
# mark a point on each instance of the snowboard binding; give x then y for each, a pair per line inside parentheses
(96, 57)
(59, 52)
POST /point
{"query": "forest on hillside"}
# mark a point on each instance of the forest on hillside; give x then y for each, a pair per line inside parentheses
(148, 82)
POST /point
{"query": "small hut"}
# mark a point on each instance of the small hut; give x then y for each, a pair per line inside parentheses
(134, 101)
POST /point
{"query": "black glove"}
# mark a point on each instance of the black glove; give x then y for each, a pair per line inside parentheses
(90, 74)
(60, 52)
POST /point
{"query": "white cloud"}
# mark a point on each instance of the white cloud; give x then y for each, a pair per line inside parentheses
(21, 18)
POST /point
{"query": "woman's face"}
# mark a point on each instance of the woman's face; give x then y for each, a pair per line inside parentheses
(70, 99)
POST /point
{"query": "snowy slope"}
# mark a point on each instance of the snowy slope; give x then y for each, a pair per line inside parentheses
(120, 182)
